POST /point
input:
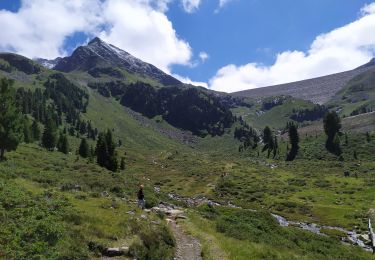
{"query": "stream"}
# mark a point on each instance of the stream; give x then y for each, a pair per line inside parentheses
(354, 238)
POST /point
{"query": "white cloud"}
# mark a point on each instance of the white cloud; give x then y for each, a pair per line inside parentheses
(187, 80)
(203, 56)
(191, 6)
(339, 50)
(40, 28)
(222, 3)
(144, 32)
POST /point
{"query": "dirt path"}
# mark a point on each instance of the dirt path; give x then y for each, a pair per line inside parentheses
(188, 247)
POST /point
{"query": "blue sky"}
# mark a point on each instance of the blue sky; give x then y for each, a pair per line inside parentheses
(256, 30)
(249, 43)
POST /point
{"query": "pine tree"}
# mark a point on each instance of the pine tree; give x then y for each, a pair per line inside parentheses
(11, 127)
(294, 140)
(268, 141)
(336, 145)
(35, 131)
(63, 144)
(101, 150)
(332, 126)
(110, 143)
(84, 150)
(122, 164)
(83, 128)
(71, 131)
(105, 151)
(112, 163)
(275, 147)
(49, 135)
(27, 135)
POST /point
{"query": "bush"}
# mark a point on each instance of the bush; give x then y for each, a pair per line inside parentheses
(155, 242)
(33, 227)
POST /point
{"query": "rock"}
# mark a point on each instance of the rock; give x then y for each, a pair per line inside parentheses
(365, 237)
(143, 216)
(116, 251)
(105, 194)
(130, 212)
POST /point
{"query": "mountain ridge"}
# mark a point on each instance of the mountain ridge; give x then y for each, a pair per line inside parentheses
(98, 54)
(318, 90)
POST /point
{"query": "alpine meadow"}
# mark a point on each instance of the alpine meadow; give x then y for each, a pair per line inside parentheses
(108, 150)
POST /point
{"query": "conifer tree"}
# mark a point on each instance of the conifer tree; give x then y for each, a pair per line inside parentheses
(27, 135)
(332, 126)
(112, 163)
(84, 149)
(268, 141)
(294, 140)
(35, 130)
(275, 147)
(11, 128)
(49, 135)
(122, 164)
(105, 151)
(101, 150)
(63, 144)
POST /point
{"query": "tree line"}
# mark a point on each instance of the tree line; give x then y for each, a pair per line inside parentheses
(250, 139)
(187, 108)
(24, 114)
(309, 114)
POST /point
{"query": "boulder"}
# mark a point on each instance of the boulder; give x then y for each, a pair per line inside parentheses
(116, 251)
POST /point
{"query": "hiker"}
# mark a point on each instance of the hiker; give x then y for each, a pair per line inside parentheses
(141, 197)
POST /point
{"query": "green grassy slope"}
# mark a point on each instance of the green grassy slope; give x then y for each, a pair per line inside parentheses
(359, 92)
(86, 207)
(276, 117)
(60, 206)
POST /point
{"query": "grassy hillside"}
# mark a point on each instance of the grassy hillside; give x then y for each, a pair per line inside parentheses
(63, 206)
(358, 96)
(276, 116)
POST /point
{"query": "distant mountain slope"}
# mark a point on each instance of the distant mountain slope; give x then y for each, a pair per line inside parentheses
(49, 64)
(98, 55)
(360, 123)
(318, 90)
(10, 62)
(358, 96)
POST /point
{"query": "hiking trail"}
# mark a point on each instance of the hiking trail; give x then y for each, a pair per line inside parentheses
(187, 246)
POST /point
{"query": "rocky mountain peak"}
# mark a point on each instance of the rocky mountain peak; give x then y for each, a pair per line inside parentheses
(95, 40)
(99, 54)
